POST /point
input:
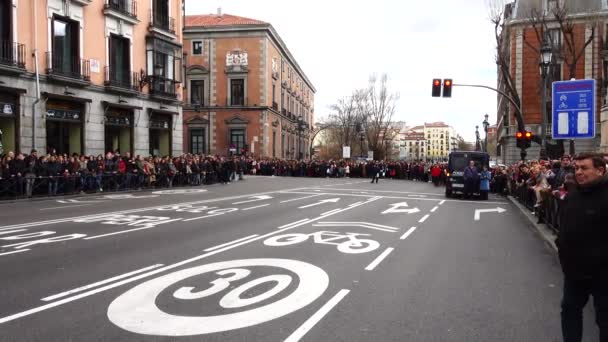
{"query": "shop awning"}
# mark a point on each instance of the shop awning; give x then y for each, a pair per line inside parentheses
(107, 104)
(52, 96)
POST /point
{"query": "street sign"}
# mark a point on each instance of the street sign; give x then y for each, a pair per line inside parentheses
(574, 109)
(370, 155)
(346, 152)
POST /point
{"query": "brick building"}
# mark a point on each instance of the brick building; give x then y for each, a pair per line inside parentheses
(245, 90)
(522, 47)
(84, 76)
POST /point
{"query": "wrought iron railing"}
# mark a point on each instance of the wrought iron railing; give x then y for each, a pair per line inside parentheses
(126, 7)
(160, 86)
(12, 54)
(162, 21)
(121, 78)
(77, 68)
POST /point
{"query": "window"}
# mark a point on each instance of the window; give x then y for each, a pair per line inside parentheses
(65, 46)
(274, 144)
(555, 38)
(6, 14)
(237, 92)
(120, 60)
(274, 93)
(197, 92)
(197, 48)
(197, 140)
(237, 138)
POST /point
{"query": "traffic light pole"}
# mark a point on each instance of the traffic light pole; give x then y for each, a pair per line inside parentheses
(518, 112)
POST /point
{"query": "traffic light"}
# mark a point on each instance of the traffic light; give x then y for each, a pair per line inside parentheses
(524, 139)
(436, 87)
(447, 87)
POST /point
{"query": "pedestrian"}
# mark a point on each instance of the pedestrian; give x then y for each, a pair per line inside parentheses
(375, 173)
(583, 247)
(484, 186)
(471, 180)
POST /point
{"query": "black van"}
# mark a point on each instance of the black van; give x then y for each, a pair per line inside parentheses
(458, 161)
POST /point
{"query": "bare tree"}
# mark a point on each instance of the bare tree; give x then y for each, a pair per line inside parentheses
(378, 110)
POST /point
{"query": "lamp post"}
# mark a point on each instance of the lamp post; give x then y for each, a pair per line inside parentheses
(300, 129)
(546, 56)
(477, 139)
(486, 125)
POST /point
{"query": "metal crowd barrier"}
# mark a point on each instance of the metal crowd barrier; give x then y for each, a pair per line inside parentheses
(547, 212)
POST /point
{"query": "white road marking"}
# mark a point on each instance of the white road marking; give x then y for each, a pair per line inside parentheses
(400, 208)
(330, 212)
(230, 243)
(153, 272)
(67, 206)
(354, 204)
(379, 259)
(201, 217)
(317, 316)
(493, 210)
(306, 192)
(408, 233)
(424, 218)
(387, 191)
(257, 206)
(14, 252)
(434, 208)
(443, 201)
(300, 198)
(289, 224)
(127, 231)
(90, 286)
(329, 200)
(357, 224)
(255, 199)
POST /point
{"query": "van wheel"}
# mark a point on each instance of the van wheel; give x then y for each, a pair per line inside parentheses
(448, 193)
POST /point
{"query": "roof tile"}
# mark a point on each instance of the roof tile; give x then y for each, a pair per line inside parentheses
(212, 20)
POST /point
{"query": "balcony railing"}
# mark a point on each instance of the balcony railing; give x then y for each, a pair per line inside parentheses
(126, 7)
(284, 112)
(77, 68)
(121, 79)
(164, 87)
(12, 54)
(275, 106)
(162, 21)
(238, 102)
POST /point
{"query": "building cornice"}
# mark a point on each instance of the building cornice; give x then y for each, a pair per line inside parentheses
(193, 32)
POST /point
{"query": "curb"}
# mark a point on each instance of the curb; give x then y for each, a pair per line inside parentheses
(545, 233)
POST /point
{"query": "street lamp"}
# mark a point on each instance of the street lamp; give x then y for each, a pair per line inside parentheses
(300, 129)
(546, 57)
(486, 125)
(477, 140)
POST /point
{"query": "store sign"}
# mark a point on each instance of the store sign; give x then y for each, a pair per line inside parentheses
(7, 108)
(120, 120)
(62, 114)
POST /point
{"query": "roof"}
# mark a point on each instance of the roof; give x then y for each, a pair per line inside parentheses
(436, 124)
(523, 8)
(416, 127)
(213, 20)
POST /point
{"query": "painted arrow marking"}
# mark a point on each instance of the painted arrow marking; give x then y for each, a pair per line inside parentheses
(357, 224)
(398, 208)
(255, 199)
(493, 210)
(330, 200)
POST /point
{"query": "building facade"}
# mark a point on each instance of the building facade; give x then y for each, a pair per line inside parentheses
(440, 139)
(245, 92)
(88, 77)
(413, 145)
(589, 20)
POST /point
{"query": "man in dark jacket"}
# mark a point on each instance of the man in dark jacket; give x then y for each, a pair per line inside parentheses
(471, 180)
(583, 247)
(375, 170)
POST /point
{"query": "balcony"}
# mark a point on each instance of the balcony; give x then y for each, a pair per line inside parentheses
(122, 9)
(72, 71)
(275, 106)
(162, 23)
(124, 82)
(12, 57)
(284, 112)
(162, 88)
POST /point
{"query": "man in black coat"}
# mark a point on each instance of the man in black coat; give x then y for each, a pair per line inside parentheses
(583, 247)
(375, 172)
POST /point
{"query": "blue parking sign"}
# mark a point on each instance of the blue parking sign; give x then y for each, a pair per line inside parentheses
(574, 109)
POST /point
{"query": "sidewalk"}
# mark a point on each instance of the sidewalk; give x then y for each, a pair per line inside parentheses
(545, 233)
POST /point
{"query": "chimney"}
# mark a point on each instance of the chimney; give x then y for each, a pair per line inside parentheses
(219, 11)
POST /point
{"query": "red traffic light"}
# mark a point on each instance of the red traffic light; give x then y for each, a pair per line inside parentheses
(436, 83)
(528, 135)
(519, 135)
(448, 83)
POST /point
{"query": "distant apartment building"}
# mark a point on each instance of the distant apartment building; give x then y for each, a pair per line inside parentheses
(245, 92)
(589, 20)
(84, 76)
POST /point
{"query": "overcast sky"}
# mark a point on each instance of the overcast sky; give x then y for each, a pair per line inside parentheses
(339, 43)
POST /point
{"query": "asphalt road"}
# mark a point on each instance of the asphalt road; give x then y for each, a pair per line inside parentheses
(277, 259)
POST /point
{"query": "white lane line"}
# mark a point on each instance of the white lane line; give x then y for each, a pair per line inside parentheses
(379, 259)
(14, 252)
(126, 231)
(362, 226)
(137, 210)
(440, 203)
(289, 224)
(408, 233)
(257, 206)
(330, 212)
(300, 198)
(66, 206)
(141, 276)
(434, 208)
(317, 316)
(424, 218)
(354, 204)
(90, 286)
(358, 224)
(201, 217)
(230, 243)
(385, 191)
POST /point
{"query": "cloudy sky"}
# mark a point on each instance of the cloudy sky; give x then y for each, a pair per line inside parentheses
(340, 43)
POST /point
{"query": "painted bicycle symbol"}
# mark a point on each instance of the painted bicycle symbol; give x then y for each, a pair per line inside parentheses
(137, 311)
(349, 243)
